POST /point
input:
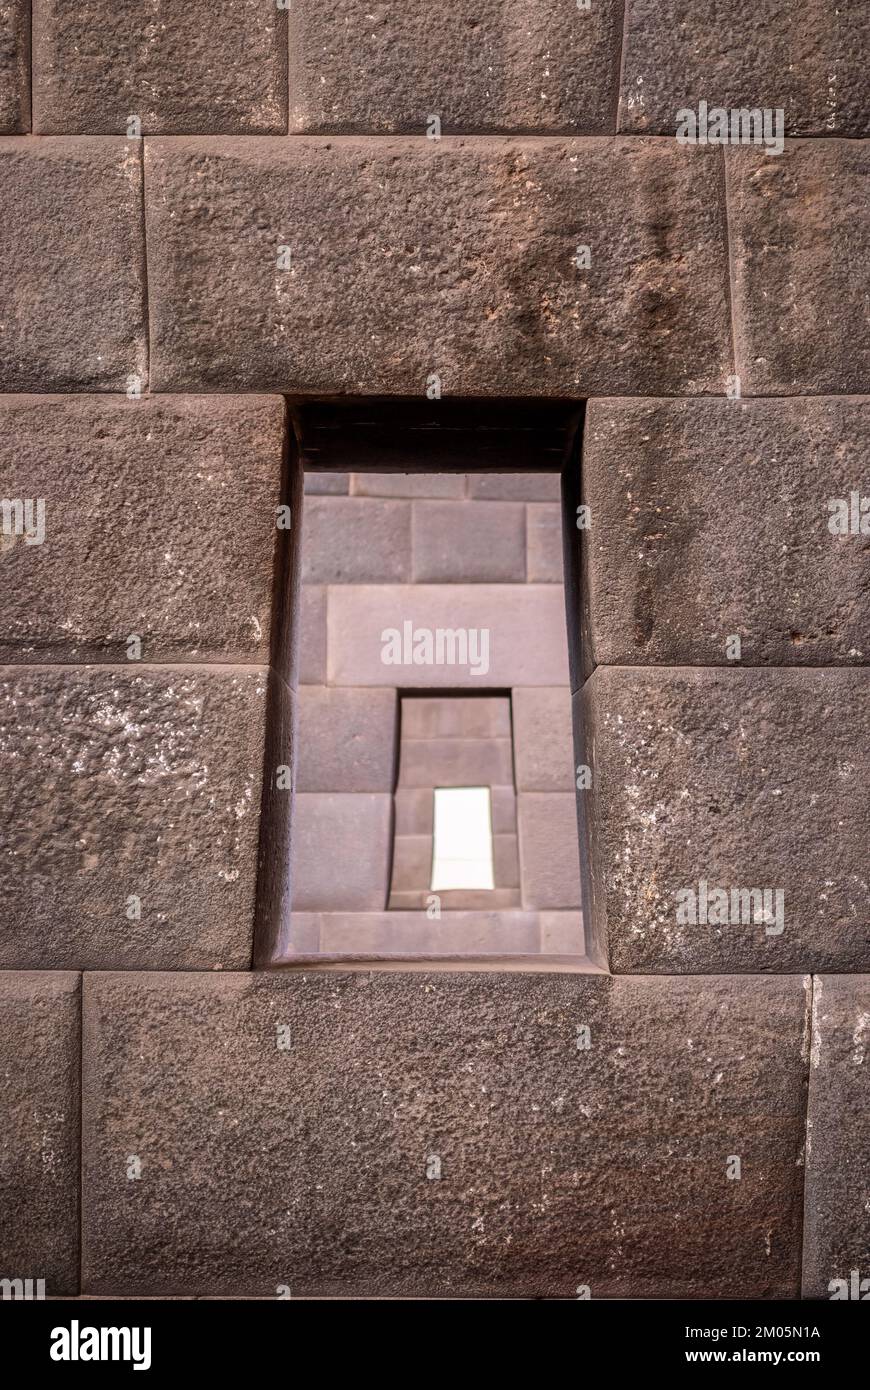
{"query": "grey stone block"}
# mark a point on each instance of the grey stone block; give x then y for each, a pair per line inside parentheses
(456, 762)
(355, 540)
(407, 485)
(456, 716)
(14, 66)
(549, 849)
(468, 542)
(544, 543)
(515, 487)
(347, 740)
(340, 851)
(543, 739)
(312, 635)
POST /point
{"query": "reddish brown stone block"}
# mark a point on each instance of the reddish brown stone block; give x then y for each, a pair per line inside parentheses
(544, 543)
(800, 244)
(130, 822)
(515, 487)
(549, 849)
(40, 1030)
(468, 542)
(355, 540)
(306, 1165)
(456, 762)
(311, 618)
(462, 251)
(543, 739)
(346, 740)
(340, 851)
(71, 303)
(444, 485)
(159, 522)
(14, 66)
(463, 716)
(177, 69)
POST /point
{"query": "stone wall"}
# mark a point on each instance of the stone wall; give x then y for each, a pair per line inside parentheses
(207, 226)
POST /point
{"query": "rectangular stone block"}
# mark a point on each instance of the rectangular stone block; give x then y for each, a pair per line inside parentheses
(130, 818)
(158, 522)
(727, 779)
(711, 520)
(456, 716)
(95, 66)
(543, 739)
(351, 540)
(551, 68)
(836, 1262)
(340, 851)
(562, 933)
(346, 740)
(549, 849)
(326, 484)
(40, 1031)
(456, 762)
(14, 66)
(526, 643)
(544, 543)
(515, 487)
(800, 245)
(308, 1164)
(468, 542)
(445, 485)
(411, 222)
(72, 310)
(412, 864)
(311, 654)
(409, 934)
(776, 56)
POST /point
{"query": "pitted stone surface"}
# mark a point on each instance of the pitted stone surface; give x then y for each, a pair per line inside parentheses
(454, 258)
(129, 785)
(745, 779)
(40, 1030)
(14, 66)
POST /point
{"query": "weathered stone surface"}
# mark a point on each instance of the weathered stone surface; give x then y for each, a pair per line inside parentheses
(340, 851)
(468, 542)
(745, 779)
(544, 543)
(525, 623)
(347, 740)
(355, 540)
(14, 66)
(71, 300)
(710, 520)
(95, 65)
(800, 244)
(549, 849)
(550, 67)
(454, 257)
(160, 522)
(543, 739)
(40, 1027)
(129, 784)
(408, 485)
(810, 60)
(837, 1207)
(559, 1166)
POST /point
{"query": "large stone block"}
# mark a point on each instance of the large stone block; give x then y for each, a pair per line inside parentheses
(347, 740)
(810, 60)
(710, 520)
(837, 1207)
(311, 639)
(514, 635)
(551, 67)
(340, 856)
(544, 543)
(456, 762)
(543, 739)
(515, 487)
(40, 1029)
(456, 716)
(355, 540)
(291, 1130)
(130, 817)
(14, 66)
(96, 65)
(408, 485)
(469, 542)
(159, 521)
(738, 780)
(456, 258)
(800, 240)
(549, 849)
(71, 297)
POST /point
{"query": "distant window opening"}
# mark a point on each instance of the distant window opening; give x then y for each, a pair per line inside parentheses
(462, 839)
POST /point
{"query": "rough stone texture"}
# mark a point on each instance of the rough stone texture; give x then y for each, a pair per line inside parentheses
(350, 540)
(559, 1167)
(454, 257)
(159, 521)
(514, 487)
(549, 849)
(347, 740)
(837, 1209)
(543, 740)
(129, 783)
(526, 624)
(810, 59)
(546, 67)
(468, 542)
(408, 485)
(40, 1028)
(14, 66)
(710, 519)
(71, 296)
(544, 543)
(179, 68)
(340, 851)
(800, 244)
(744, 779)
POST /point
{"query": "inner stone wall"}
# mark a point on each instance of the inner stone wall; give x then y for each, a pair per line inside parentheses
(204, 226)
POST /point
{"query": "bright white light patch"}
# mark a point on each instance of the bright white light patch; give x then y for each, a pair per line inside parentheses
(462, 856)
